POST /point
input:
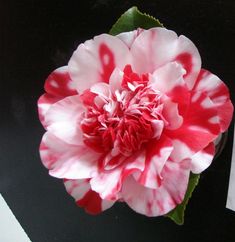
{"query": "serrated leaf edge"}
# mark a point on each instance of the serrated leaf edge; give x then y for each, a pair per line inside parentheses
(139, 12)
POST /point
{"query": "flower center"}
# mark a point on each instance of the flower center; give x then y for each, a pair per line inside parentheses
(124, 121)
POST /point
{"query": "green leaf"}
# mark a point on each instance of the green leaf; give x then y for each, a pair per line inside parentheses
(133, 19)
(177, 214)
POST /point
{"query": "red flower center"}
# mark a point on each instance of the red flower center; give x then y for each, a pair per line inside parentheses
(126, 120)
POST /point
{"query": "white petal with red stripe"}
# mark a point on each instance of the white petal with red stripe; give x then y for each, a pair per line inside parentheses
(159, 201)
(59, 83)
(63, 120)
(199, 129)
(81, 191)
(211, 85)
(157, 153)
(129, 37)
(108, 183)
(44, 104)
(95, 60)
(155, 47)
(202, 159)
(67, 161)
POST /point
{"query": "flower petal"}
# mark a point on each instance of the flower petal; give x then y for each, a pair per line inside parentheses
(129, 37)
(159, 201)
(63, 120)
(202, 159)
(109, 182)
(81, 191)
(170, 113)
(44, 104)
(59, 83)
(169, 80)
(166, 78)
(211, 85)
(157, 153)
(95, 60)
(67, 161)
(199, 129)
(155, 47)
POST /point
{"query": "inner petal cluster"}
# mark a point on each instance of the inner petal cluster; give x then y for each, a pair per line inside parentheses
(122, 122)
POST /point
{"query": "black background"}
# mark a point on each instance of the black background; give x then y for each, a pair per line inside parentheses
(38, 36)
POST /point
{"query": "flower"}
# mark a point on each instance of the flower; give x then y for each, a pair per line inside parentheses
(129, 118)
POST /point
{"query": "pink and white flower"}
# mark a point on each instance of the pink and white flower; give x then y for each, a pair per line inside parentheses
(129, 118)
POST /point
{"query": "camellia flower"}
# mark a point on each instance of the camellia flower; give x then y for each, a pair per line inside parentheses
(129, 118)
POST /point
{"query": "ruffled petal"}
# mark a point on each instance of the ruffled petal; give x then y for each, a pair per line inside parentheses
(155, 47)
(171, 114)
(81, 191)
(108, 183)
(67, 161)
(157, 153)
(59, 83)
(63, 120)
(95, 60)
(159, 201)
(212, 86)
(202, 159)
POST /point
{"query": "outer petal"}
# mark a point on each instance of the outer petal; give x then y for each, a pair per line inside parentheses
(158, 46)
(156, 202)
(63, 120)
(202, 159)
(129, 37)
(44, 104)
(59, 83)
(211, 85)
(200, 128)
(81, 191)
(108, 183)
(157, 153)
(95, 60)
(67, 161)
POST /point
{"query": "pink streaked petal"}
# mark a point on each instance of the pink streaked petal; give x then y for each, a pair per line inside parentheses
(157, 126)
(202, 159)
(200, 126)
(59, 83)
(211, 85)
(159, 201)
(225, 113)
(157, 153)
(44, 104)
(63, 120)
(187, 142)
(67, 161)
(95, 60)
(115, 81)
(170, 113)
(169, 80)
(101, 89)
(167, 77)
(81, 191)
(129, 37)
(109, 182)
(155, 47)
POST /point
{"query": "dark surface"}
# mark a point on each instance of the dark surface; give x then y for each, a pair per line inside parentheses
(38, 36)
